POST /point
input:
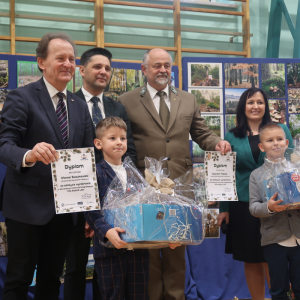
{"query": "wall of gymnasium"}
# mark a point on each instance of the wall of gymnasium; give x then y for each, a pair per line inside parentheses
(259, 18)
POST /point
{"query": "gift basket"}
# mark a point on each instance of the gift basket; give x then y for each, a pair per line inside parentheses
(155, 211)
(283, 176)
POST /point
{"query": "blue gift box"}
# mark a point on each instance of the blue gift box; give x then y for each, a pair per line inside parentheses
(285, 186)
(157, 222)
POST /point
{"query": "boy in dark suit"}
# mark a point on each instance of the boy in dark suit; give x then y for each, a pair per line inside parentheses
(122, 274)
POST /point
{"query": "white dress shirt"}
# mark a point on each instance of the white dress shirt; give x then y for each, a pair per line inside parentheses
(156, 99)
(121, 173)
(88, 96)
(53, 95)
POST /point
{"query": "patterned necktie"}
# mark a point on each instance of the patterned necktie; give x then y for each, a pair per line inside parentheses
(164, 112)
(96, 112)
(61, 113)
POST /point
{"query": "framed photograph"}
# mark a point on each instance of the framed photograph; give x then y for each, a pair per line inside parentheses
(90, 267)
(77, 80)
(230, 122)
(277, 110)
(28, 72)
(117, 85)
(273, 80)
(294, 124)
(232, 97)
(3, 74)
(294, 101)
(243, 76)
(215, 123)
(208, 75)
(134, 79)
(3, 239)
(212, 230)
(3, 95)
(198, 153)
(209, 100)
(293, 75)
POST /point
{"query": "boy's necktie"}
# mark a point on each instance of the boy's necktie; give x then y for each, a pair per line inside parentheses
(164, 112)
(61, 113)
(96, 112)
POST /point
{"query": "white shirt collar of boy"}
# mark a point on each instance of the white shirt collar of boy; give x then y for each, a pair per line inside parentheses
(156, 99)
(88, 96)
(53, 93)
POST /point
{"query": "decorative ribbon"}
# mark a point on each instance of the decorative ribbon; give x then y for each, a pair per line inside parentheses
(165, 186)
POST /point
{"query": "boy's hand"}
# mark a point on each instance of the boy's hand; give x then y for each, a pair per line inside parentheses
(274, 205)
(173, 246)
(88, 231)
(113, 236)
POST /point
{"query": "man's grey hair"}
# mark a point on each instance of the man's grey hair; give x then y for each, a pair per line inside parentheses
(146, 57)
(42, 48)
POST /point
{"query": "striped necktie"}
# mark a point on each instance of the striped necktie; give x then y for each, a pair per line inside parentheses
(96, 112)
(61, 113)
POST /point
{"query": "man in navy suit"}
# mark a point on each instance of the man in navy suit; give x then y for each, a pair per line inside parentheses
(36, 120)
(95, 69)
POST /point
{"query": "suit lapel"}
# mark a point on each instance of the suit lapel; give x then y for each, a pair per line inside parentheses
(47, 103)
(174, 106)
(71, 103)
(108, 107)
(148, 103)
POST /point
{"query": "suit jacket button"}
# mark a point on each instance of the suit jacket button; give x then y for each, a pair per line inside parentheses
(169, 158)
(167, 140)
(289, 215)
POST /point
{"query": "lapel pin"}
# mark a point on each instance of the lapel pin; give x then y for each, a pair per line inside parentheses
(72, 100)
(174, 99)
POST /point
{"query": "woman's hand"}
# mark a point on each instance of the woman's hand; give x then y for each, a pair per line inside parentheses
(223, 216)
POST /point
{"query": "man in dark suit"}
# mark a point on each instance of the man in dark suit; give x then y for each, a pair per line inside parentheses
(36, 120)
(95, 68)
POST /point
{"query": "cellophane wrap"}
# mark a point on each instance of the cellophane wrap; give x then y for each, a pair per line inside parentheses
(159, 212)
(282, 176)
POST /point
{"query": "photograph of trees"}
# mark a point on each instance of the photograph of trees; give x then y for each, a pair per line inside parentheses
(208, 100)
(293, 74)
(198, 153)
(134, 79)
(3, 95)
(3, 239)
(77, 79)
(206, 75)
(3, 74)
(277, 110)
(241, 75)
(117, 85)
(273, 79)
(232, 97)
(294, 124)
(28, 72)
(230, 122)
(214, 124)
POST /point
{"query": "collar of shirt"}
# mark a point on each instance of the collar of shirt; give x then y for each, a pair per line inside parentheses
(152, 91)
(88, 96)
(53, 93)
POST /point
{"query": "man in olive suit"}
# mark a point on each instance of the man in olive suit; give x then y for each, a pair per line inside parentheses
(162, 117)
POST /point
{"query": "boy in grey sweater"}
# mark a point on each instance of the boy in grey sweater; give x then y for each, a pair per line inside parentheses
(280, 229)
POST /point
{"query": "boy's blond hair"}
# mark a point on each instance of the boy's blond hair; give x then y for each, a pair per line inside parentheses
(269, 126)
(108, 122)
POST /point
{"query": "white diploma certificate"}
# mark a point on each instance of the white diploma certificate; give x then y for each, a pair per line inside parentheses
(220, 176)
(74, 181)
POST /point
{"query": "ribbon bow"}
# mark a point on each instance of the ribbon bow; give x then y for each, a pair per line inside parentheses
(165, 186)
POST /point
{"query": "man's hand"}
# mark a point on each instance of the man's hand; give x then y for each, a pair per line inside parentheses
(88, 231)
(222, 216)
(223, 147)
(173, 246)
(113, 236)
(43, 152)
(274, 205)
